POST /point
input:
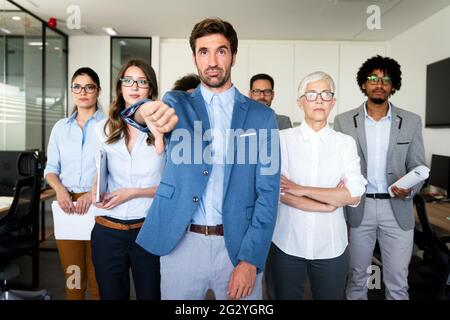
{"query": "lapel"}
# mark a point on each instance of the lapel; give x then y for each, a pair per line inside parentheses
(240, 110)
(198, 104)
(200, 108)
(359, 123)
(396, 124)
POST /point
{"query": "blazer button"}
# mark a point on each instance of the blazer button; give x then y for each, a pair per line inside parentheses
(195, 199)
(206, 172)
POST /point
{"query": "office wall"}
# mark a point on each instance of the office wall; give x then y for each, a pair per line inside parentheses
(287, 61)
(93, 52)
(423, 44)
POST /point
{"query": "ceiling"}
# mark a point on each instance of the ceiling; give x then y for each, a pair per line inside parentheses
(252, 19)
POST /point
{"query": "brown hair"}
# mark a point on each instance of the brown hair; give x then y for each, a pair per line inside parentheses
(115, 128)
(214, 26)
(91, 74)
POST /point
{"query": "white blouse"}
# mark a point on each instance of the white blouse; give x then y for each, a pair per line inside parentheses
(140, 169)
(316, 159)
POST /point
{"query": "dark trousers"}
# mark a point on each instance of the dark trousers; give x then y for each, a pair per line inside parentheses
(114, 252)
(288, 273)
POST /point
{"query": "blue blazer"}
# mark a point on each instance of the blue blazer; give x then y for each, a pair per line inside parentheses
(250, 196)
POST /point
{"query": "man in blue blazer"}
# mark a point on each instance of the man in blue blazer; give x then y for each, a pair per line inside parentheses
(214, 212)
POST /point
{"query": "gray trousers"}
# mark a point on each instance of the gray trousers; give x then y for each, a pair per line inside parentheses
(288, 273)
(199, 263)
(396, 250)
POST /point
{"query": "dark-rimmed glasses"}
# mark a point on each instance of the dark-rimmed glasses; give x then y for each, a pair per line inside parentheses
(373, 79)
(266, 92)
(324, 95)
(129, 82)
(89, 88)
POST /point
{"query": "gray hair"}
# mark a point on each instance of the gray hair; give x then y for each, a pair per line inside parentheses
(313, 77)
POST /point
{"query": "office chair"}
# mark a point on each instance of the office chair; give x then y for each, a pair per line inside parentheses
(19, 228)
(435, 265)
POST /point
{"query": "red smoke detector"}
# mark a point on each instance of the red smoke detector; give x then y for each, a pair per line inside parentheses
(52, 23)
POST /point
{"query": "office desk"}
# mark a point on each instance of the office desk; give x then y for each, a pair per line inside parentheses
(47, 194)
(5, 203)
(438, 214)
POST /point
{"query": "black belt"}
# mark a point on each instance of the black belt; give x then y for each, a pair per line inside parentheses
(378, 195)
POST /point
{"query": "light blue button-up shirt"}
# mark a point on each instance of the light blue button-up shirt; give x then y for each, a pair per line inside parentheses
(220, 112)
(377, 137)
(70, 152)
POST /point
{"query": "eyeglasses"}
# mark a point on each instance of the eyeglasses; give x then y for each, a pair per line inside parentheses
(141, 83)
(373, 79)
(266, 92)
(324, 95)
(89, 88)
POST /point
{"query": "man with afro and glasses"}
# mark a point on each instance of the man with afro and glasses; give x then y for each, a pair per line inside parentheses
(390, 144)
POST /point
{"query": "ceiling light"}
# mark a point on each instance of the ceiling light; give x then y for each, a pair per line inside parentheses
(110, 31)
(36, 43)
(16, 18)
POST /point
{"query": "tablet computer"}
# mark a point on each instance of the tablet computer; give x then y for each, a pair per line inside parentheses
(102, 175)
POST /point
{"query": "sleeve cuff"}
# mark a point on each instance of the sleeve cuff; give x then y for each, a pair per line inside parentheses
(51, 170)
(127, 115)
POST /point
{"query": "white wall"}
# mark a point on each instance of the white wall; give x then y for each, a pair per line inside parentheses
(287, 62)
(423, 44)
(93, 52)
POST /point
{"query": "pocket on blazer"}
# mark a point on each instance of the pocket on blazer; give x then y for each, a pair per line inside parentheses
(403, 143)
(249, 212)
(165, 190)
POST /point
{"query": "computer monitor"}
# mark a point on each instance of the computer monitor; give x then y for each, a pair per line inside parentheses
(440, 172)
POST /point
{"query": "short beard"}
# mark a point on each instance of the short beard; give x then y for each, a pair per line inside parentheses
(219, 84)
(211, 84)
(378, 100)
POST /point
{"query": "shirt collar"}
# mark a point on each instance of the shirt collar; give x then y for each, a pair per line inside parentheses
(98, 115)
(224, 97)
(387, 116)
(308, 132)
(72, 117)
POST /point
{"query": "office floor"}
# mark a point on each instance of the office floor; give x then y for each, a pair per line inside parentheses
(52, 278)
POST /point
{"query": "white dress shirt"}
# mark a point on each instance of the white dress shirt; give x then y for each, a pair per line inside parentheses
(142, 168)
(377, 136)
(316, 159)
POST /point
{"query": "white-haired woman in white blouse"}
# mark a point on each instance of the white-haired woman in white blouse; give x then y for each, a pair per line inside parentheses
(320, 174)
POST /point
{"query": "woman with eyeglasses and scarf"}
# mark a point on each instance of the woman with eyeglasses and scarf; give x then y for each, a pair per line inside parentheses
(134, 172)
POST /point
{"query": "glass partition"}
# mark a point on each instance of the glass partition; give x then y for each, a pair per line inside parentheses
(33, 65)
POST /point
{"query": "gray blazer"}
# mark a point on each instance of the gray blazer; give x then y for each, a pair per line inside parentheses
(405, 152)
(283, 122)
